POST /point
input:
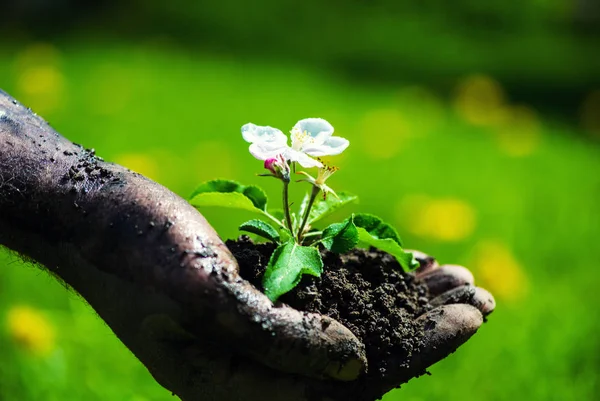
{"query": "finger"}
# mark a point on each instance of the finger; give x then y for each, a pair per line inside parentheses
(467, 294)
(445, 329)
(132, 229)
(426, 262)
(296, 342)
(194, 370)
(445, 278)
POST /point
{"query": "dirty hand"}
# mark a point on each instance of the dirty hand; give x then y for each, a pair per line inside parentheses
(158, 274)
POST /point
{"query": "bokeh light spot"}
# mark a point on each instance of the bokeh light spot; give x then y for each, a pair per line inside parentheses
(520, 133)
(497, 270)
(445, 219)
(140, 163)
(383, 133)
(480, 100)
(30, 330)
(39, 81)
(37, 54)
(423, 109)
(42, 88)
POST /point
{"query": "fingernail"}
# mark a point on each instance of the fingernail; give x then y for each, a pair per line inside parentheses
(484, 301)
(345, 371)
(467, 294)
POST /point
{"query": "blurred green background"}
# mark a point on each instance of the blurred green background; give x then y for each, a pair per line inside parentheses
(474, 128)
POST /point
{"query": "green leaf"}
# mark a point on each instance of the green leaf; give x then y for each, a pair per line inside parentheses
(340, 237)
(286, 267)
(372, 231)
(261, 228)
(218, 186)
(285, 235)
(303, 206)
(257, 196)
(234, 200)
(376, 227)
(277, 213)
(389, 245)
(230, 194)
(324, 207)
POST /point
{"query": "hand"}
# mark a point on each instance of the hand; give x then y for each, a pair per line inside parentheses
(157, 273)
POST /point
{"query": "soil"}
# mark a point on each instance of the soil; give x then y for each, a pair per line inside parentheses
(366, 290)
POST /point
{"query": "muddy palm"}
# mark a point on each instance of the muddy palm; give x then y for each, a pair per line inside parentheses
(158, 274)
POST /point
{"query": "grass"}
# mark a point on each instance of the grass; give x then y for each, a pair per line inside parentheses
(515, 198)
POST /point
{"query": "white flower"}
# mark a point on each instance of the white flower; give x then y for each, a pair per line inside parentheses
(266, 142)
(310, 137)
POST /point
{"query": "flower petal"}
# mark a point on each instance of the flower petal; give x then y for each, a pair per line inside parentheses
(309, 178)
(268, 137)
(300, 157)
(327, 190)
(265, 152)
(332, 146)
(318, 130)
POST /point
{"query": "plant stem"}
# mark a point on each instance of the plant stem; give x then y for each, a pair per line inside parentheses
(313, 234)
(313, 196)
(275, 219)
(286, 207)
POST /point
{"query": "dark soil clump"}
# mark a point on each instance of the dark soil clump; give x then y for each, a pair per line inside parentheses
(366, 290)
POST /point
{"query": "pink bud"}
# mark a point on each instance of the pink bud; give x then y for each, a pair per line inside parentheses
(279, 167)
(271, 164)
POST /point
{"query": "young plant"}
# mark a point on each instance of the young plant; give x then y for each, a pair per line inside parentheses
(296, 233)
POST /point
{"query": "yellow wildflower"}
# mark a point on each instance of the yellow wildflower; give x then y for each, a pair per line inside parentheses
(30, 330)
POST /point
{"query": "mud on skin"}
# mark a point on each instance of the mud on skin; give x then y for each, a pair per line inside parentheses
(81, 218)
(76, 215)
(365, 290)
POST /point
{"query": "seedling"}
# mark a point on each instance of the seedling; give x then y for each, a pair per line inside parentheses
(297, 234)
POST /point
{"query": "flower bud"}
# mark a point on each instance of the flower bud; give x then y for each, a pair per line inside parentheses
(279, 167)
